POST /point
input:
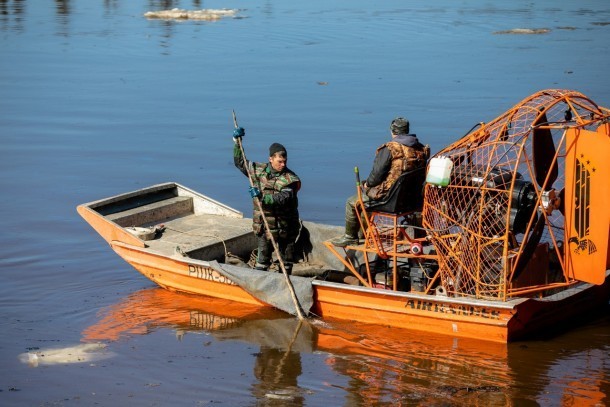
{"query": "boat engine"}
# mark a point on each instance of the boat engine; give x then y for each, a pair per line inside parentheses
(522, 201)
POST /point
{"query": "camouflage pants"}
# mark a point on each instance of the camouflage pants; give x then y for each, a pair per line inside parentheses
(351, 217)
(265, 251)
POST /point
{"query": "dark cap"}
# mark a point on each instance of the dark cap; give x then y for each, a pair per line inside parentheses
(399, 125)
(277, 148)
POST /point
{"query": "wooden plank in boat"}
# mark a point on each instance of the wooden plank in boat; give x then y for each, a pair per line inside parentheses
(153, 212)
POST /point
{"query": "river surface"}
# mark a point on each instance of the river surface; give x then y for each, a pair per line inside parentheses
(96, 100)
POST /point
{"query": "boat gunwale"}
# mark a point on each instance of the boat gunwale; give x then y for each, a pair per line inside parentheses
(126, 195)
(509, 305)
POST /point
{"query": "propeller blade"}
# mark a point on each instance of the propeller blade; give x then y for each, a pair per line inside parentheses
(530, 246)
(562, 196)
(543, 151)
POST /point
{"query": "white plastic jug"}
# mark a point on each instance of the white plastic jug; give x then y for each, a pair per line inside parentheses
(439, 171)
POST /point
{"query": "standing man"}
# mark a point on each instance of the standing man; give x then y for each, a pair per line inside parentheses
(403, 153)
(276, 187)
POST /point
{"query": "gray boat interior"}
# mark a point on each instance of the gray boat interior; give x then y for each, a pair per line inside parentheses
(185, 223)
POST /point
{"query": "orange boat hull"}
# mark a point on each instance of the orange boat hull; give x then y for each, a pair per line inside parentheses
(464, 317)
(497, 322)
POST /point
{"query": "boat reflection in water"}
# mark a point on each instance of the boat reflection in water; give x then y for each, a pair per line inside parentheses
(374, 364)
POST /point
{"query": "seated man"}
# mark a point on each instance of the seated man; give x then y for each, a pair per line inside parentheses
(403, 153)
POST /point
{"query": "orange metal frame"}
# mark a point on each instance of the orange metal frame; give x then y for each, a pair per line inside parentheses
(385, 237)
(469, 221)
(478, 253)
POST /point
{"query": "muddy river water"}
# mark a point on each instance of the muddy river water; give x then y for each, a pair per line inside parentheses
(96, 100)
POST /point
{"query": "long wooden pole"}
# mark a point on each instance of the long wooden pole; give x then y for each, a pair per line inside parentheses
(276, 248)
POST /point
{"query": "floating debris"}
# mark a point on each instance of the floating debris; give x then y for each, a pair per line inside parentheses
(601, 23)
(204, 14)
(74, 354)
(525, 31)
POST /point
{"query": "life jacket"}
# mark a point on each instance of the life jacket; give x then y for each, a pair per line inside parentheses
(404, 159)
(283, 220)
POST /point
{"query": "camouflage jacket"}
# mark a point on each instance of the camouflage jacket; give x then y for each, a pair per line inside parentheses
(402, 158)
(279, 197)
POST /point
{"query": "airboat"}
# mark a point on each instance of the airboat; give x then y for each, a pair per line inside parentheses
(502, 237)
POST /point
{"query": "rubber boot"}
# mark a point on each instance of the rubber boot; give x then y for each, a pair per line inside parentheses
(263, 257)
(350, 237)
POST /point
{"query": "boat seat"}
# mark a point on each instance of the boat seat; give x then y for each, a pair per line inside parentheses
(153, 212)
(384, 225)
(406, 195)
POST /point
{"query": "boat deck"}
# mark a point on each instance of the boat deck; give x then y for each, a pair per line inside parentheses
(198, 228)
(204, 236)
(207, 237)
(193, 232)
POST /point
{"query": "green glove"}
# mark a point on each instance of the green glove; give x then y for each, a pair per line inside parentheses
(268, 199)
